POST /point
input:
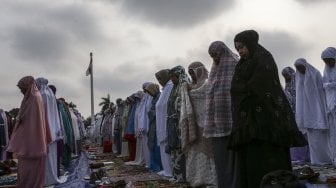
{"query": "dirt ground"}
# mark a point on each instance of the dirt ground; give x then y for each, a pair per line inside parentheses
(115, 173)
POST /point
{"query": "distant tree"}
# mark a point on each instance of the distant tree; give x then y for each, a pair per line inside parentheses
(105, 103)
(87, 122)
(13, 113)
(72, 105)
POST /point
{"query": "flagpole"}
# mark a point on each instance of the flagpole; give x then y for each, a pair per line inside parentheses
(91, 81)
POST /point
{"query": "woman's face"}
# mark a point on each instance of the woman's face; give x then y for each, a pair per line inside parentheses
(287, 77)
(216, 58)
(22, 89)
(329, 61)
(242, 50)
(146, 91)
(192, 75)
(160, 81)
(174, 79)
(301, 69)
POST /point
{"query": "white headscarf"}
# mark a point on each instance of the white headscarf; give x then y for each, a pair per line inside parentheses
(329, 79)
(161, 112)
(310, 98)
(50, 105)
(143, 110)
(74, 124)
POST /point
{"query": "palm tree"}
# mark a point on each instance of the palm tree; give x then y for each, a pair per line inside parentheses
(105, 103)
(72, 105)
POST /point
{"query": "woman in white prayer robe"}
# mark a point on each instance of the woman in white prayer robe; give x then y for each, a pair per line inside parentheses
(161, 120)
(329, 84)
(52, 114)
(143, 123)
(311, 112)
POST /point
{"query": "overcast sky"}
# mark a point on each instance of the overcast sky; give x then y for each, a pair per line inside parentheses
(133, 39)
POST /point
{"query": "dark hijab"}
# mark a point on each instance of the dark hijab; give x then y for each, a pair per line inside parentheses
(250, 38)
(53, 89)
(260, 108)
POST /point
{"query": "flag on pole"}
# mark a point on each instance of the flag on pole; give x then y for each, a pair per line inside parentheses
(89, 69)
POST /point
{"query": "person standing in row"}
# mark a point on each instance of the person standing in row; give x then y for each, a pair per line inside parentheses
(31, 136)
(200, 165)
(264, 126)
(161, 120)
(155, 157)
(145, 106)
(140, 128)
(178, 77)
(118, 125)
(127, 106)
(298, 154)
(218, 117)
(329, 84)
(290, 88)
(134, 100)
(311, 114)
(50, 105)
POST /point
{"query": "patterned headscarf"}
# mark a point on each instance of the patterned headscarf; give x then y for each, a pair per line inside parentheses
(180, 73)
(200, 72)
(218, 118)
(188, 111)
(290, 86)
(329, 78)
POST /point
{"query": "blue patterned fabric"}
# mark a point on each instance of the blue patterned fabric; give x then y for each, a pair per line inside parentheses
(78, 169)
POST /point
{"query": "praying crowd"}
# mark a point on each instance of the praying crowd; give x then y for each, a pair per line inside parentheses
(44, 137)
(228, 127)
(232, 126)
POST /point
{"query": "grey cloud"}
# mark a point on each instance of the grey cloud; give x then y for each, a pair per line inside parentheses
(76, 21)
(200, 54)
(51, 34)
(128, 77)
(38, 44)
(285, 47)
(68, 87)
(313, 1)
(176, 13)
(10, 95)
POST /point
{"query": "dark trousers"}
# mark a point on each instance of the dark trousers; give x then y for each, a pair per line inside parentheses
(60, 151)
(226, 162)
(258, 158)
